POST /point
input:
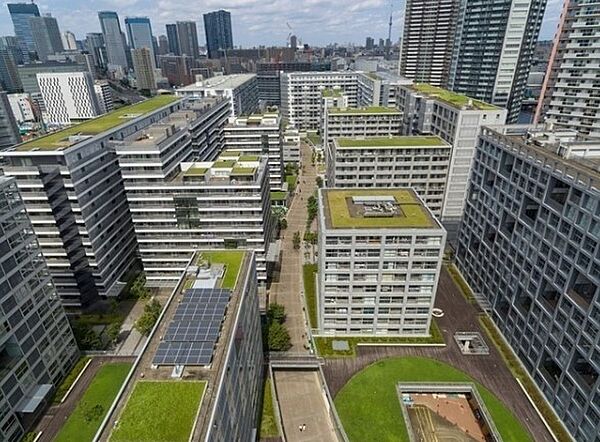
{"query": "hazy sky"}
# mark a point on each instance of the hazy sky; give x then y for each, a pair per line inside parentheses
(255, 22)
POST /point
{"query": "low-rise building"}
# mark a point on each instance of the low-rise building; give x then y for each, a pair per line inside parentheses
(241, 89)
(420, 162)
(259, 134)
(380, 256)
(22, 107)
(37, 346)
(457, 119)
(372, 121)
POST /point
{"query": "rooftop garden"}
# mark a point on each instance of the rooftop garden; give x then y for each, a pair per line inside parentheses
(60, 139)
(329, 92)
(452, 98)
(405, 141)
(159, 411)
(224, 164)
(231, 259)
(278, 196)
(412, 212)
(248, 158)
(243, 171)
(85, 420)
(369, 407)
(196, 171)
(365, 110)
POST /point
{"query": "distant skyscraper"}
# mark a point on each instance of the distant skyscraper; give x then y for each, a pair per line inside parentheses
(370, 43)
(294, 42)
(9, 131)
(38, 346)
(114, 39)
(177, 69)
(143, 66)
(94, 44)
(187, 37)
(429, 27)
(163, 45)
(11, 44)
(9, 75)
(217, 26)
(571, 92)
(46, 36)
(20, 13)
(69, 41)
(381, 43)
(139, 33)
(173, 39)
(493, 48)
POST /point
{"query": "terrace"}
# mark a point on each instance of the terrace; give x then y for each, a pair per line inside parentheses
(388, 142)
(454, 99)
(353, 209)
(371, 110)
(60, 139)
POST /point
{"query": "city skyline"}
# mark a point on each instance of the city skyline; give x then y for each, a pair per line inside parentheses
(318, 22)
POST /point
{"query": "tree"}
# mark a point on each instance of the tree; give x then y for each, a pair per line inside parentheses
(296, 240)
(311, 237)
(319, 181)
(279, 338)
(313, 207)
(276, 313)
(113, 331)
(92, 413)
(283, 224)
(147, 319)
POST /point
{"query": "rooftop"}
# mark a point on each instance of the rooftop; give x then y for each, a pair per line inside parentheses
(332, 92)
(229, 165)
(383, 208)
(60, 139)
(387, 142)
(365, 110)
(454, 99)
(220, 82)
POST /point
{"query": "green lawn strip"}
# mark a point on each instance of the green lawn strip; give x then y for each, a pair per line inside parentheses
(268, 421)
(291, 181)
(94, 404)
(518, 372)
(314, 138)
(370, 410)
(68, 381)
(232, 259)
(325, 349)
(309, 272)
(100, 319)
(461, 283)
(159, 411)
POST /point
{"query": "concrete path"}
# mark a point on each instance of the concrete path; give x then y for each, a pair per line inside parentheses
(302, 402)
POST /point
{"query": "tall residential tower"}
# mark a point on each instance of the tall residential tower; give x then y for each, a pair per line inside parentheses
(217, 26)
(114, 39)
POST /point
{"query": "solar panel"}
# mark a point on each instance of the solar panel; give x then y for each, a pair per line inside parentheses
(193, 332)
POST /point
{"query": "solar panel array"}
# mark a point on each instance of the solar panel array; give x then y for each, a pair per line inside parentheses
(194, 330)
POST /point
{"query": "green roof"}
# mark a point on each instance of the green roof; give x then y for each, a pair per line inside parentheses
(452, 98)
(225, 164)
(245, 171)
(279, 196)
(98, 125)
(249, 158)
(339, 215)
(329, 92)
(231, 259)
(407, 141)
(365, 110)
(196, 171)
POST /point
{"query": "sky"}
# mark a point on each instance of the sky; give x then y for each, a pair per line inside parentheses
(254, 22)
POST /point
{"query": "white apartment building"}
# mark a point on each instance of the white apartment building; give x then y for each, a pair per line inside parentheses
(180, 205)
(372, 121)
(259, 134)
(457, 119)
(241, 89)
(291, 145)
(419, 162)
(22, 108)
(379, 88)
(68, 97)
(301, 95)
(104, 96)
(380, 256)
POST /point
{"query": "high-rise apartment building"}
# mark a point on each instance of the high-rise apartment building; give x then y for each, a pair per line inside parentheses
(529, 246)
(494, 45)
(9, 131)
(74, 194)
(139, 33)
(68, 98)
(373, 121)
(163, 45)
(570, 96)
(187, 38)
(380, 256)
(457, 119)
(143, 67)
(428, 40)
(258, 135)
(9, 75)
(241, 89)
(301, 94)
(20, 13)
(69, 41)
(46, 36)
(369, 43)
(173, 39)
(36, 343)
(419, 162)
(114, 39)
(217, 27)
